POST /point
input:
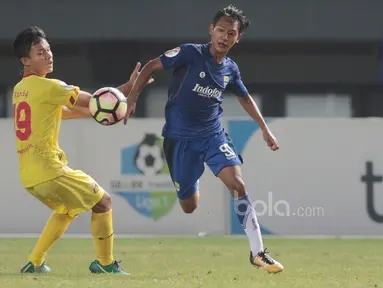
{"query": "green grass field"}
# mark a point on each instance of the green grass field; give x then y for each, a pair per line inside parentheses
(201, 262)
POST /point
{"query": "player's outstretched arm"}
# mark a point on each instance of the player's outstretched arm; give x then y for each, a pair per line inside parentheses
(73, 102)
(248, 103)
(80, 108)
(75, 113)
(83, 99)
(127, 87)
(171, 59)
(143, 78)
(252, 109)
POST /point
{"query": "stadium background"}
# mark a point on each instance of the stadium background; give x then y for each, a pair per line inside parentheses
(314, 67)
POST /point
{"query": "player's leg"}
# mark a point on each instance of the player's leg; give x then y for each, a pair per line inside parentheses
(83, 194)
(55, 227)
(190, 203)
(103, 235)
(225, 164)
(232, 178)
(185, 167)
(53, 230)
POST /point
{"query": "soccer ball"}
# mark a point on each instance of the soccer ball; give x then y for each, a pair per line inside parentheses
(108, 106)
(149, 157)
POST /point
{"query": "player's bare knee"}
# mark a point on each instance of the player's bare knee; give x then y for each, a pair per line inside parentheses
(188, 209)
(104, 205)
(190, 204)
(107, 201)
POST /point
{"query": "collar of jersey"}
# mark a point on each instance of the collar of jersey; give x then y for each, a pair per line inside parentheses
(29, 74)
(211, 57)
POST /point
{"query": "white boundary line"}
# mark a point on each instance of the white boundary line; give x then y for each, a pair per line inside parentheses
(127, 236)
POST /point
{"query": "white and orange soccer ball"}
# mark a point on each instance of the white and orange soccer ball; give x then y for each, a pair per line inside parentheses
(108, 106)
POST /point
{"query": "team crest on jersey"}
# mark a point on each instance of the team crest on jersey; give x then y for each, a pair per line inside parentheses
(202, 75)
(173, 52)
(225, 80)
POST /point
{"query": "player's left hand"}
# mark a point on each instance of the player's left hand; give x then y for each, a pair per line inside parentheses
(270, 140)
(136, 73)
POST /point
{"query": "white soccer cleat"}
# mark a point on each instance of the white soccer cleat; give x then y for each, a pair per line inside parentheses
(266, 262)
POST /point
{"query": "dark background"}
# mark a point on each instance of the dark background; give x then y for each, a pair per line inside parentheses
(308, 58)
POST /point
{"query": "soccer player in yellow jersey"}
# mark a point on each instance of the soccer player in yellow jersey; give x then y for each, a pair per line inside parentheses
(39, 105)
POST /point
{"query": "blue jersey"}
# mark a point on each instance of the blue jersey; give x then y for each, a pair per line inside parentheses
(193, 109)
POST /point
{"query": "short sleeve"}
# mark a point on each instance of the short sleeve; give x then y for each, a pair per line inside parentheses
(63, 94)
(236, 86)
(177, 57)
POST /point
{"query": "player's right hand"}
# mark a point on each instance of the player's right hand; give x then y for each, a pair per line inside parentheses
(136, 72)
(270, 139)
(130, 111)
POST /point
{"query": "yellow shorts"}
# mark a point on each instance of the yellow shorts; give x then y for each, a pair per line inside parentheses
(72, 193)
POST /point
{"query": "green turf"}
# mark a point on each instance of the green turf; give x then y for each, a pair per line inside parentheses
(201, 262)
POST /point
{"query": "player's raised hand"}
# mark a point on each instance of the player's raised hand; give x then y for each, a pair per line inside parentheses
(131, 109)
(136, 73)
(270, 140)
(131, 100)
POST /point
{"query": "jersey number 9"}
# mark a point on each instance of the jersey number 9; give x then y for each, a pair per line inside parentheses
(23, 127)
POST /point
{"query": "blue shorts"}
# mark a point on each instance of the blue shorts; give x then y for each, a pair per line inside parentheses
(186, 159)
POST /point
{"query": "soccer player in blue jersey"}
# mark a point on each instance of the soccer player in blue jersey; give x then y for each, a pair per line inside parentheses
(193, 134)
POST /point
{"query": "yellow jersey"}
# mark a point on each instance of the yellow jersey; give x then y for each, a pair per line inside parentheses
(38, 106)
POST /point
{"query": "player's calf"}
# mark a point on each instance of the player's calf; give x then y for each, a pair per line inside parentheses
(232, 178)
(236, 186)
(244, 208)
(103, 235)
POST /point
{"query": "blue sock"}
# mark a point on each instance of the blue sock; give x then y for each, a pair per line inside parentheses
(248, 219)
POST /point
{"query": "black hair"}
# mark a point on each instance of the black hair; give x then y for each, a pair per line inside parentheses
(234, 13)
(26, 39)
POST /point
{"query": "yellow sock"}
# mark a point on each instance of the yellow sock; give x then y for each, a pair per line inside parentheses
(102, 231)
(53, 230)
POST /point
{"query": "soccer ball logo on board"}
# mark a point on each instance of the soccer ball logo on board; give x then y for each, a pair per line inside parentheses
(144, 181)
